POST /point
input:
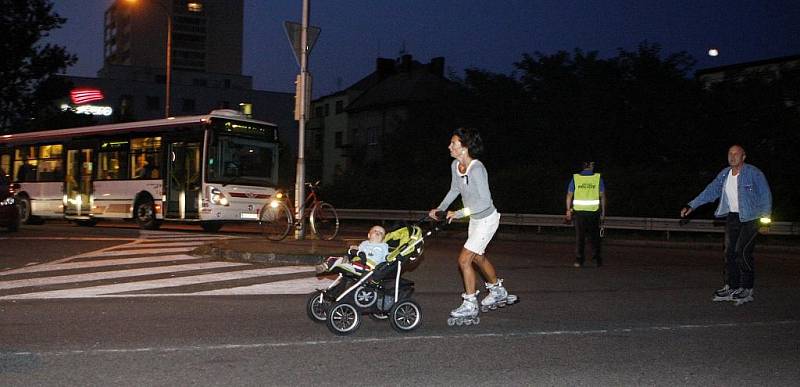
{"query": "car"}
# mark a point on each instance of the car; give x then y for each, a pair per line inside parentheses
(9, 209)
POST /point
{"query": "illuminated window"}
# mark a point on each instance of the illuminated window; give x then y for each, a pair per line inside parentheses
(113, 160)
(194, 6)
(25, 164)
(246, 108)
(50, 163)
(145, 158)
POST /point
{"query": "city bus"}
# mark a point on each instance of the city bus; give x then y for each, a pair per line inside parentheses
(205, 169)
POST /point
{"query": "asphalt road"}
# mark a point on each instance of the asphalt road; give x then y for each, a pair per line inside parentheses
(645, 318)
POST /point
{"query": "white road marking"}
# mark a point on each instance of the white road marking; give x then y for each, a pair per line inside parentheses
(295, 286)
(105, 262)
(398, 338)
(109, 290)
(65, 279)
(117, 253)
(154, 247)
(145, 244)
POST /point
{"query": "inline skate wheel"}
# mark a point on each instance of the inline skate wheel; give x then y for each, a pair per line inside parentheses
(451, 321)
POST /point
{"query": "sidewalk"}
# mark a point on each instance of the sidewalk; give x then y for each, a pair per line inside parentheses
(311, 251)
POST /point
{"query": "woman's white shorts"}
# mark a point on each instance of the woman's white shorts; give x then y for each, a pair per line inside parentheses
(481, 232)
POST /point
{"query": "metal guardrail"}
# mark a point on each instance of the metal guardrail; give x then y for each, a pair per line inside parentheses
(612, 222)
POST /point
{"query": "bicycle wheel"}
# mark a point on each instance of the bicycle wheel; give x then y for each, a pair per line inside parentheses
(275, 222)
(325, 221)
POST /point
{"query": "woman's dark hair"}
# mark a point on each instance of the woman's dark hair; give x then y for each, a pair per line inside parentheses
(471, 139)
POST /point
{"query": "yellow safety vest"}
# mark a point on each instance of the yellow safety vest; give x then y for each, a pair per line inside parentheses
(587, 192)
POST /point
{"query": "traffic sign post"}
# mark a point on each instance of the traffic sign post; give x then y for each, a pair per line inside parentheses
(302, 38)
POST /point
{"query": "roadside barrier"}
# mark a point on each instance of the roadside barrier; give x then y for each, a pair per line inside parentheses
(611, 222)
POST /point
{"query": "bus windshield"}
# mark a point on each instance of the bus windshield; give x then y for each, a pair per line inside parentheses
(236, 159)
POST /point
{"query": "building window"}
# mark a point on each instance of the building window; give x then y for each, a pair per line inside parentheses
(318, 112)
(153, 103)
(372, 136)
(226, 83)
(327, 109)
(339, 107)
(188, 105)
(338, 139)
(318, 141)
(199, 82)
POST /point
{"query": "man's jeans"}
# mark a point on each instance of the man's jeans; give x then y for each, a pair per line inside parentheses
(587, 224)
(740, 239)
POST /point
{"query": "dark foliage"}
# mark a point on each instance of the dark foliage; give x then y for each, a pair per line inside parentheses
(658, 135)
(27, 67)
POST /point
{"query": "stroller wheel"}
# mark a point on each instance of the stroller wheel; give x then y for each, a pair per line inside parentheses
(316, 307)
(365, 297)
(405, 316)
(343, 319)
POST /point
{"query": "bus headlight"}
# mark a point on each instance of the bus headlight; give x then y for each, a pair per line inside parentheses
(765, 221)
(217, 197)
(9, 201)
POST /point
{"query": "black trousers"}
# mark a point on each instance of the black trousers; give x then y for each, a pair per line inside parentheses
(740, 240)
(587, 225)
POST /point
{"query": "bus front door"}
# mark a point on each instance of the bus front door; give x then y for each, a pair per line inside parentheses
(183, 184)
(78, 182)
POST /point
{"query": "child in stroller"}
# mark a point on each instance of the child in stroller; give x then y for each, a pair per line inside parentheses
(381, 293)
(363, 257)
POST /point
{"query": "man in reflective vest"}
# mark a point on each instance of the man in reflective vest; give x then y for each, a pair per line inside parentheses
(586, 207)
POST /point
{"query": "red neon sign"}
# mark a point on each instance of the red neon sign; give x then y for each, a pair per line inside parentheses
(81, 96)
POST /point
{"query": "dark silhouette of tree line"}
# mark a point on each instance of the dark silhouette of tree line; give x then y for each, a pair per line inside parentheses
(658, 135)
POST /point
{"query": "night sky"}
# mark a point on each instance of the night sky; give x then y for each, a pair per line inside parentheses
(488, 34)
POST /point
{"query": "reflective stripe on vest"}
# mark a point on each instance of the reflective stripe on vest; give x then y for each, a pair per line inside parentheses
(587, 192)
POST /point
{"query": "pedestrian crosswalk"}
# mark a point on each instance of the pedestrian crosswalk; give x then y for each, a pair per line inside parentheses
(157, 264)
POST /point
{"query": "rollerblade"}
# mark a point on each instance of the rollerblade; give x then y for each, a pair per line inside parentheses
(742, 296)
(723, 294)
(498, 297)
(467, 313)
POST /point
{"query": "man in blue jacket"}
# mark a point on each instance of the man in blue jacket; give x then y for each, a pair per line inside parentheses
(744, 198)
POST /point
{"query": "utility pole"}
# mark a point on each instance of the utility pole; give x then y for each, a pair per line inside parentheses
(302, 88)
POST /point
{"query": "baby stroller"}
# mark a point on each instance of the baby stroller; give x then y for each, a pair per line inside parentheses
(381, 293)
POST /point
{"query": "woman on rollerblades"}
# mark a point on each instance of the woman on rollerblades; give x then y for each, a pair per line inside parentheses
(471, 180)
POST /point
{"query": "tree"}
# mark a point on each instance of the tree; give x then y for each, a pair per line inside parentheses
(28, 67)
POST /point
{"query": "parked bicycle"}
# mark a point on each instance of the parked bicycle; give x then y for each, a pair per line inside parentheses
(276, 217)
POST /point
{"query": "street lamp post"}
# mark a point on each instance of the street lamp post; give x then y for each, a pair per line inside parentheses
(169, 63)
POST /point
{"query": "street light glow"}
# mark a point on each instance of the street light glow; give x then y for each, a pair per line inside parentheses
(713, 52)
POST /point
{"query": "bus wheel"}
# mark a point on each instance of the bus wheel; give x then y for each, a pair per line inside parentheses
(211, 226)
(24, 204)
(145, 215)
